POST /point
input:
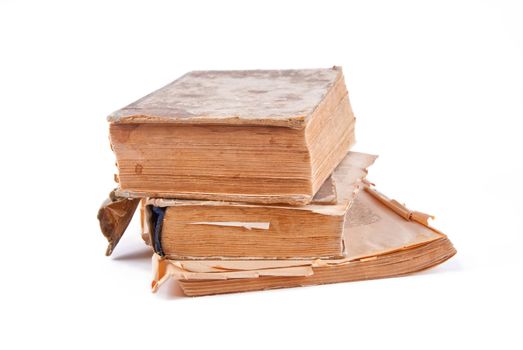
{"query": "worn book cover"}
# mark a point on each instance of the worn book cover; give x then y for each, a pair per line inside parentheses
(258, 136)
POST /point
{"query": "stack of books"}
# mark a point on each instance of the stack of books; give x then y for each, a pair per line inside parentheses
(245, 181)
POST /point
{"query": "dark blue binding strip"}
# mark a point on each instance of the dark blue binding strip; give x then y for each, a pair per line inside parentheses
(158, 214)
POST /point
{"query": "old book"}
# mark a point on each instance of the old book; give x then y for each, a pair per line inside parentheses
(382, 238)
(261, 136)
(191, 229)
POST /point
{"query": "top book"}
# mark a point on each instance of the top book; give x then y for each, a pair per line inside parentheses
(259, 136)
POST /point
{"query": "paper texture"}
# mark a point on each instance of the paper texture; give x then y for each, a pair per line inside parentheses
(194, 229)
(374, 230)
(332, 198)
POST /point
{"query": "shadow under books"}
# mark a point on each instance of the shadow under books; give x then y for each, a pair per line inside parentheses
(135, 256)
(134, 253)
(141, 254)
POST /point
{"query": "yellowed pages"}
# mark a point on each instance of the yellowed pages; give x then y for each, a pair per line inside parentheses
(377, 229)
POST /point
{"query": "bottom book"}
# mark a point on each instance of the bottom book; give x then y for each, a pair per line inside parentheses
(382, 239)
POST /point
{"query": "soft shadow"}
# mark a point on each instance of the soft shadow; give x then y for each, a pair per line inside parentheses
(452, 265)
(171, 290)
(141, 254)
(139, 258)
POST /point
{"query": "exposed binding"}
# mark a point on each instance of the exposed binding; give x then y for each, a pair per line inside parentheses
(157, 215)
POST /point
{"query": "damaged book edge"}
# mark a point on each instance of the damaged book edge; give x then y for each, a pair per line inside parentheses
(386, 239)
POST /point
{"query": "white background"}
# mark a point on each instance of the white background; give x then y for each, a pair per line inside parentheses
(437, 88)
